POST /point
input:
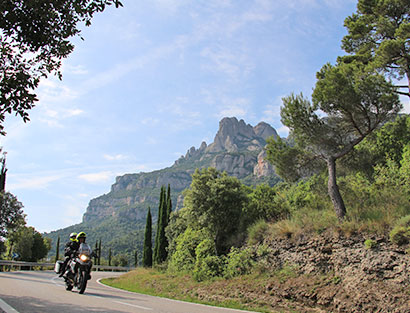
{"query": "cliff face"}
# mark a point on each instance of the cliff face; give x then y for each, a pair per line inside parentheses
(238, 149)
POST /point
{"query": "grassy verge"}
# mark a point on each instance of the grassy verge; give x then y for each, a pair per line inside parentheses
(237, 293)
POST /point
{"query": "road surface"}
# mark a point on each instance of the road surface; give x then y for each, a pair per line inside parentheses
(44, 292)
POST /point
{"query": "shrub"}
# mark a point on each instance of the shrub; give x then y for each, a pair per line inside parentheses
(285, 228)
(370, 244)
(184, 257)
(208, 267)
(239, 262)
(258, 232)
(400, 234)
(207, 264)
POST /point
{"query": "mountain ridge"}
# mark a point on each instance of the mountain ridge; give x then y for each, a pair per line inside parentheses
(237, 149)
(118, 217)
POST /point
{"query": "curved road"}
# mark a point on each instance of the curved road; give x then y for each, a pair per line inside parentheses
(43, 292)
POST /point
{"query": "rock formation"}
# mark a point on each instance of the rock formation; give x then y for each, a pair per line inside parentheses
(238, 149)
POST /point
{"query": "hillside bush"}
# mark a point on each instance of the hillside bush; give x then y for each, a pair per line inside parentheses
(238, 262)
(258, 232)
(285, 229)
(264, 203)
(184, 257)
(207, 264)
(308, 193)
(400, 234)
(208, 267)
(370, 244)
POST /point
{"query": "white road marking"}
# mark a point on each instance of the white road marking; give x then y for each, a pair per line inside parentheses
(174, 300)
(7, 308)
(134, 305)
(98, 281)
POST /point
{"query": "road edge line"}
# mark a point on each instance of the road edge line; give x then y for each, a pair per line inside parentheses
(174, 300)
(6, 307)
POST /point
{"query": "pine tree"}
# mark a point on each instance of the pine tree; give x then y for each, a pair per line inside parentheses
(136, 258)
(147, 252)
(109, 257)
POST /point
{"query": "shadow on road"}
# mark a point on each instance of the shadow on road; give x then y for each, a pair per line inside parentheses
(25, 276)
(28, 304)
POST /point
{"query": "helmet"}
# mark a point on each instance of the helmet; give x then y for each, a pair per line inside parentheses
(73, 236)
(81, 235)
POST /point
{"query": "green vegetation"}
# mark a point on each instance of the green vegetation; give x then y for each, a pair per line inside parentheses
(219, 292)
(29, 244)
(370, 244)
(351, 124)
(15, 238)
(35, 37)
(164, 211)
(147, 253)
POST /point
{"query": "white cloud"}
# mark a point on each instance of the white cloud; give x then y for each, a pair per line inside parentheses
(180, 107)
(33, 182)
(100, 177)
(102, 79)
(238, 107)
(271, 112)
(74, 69)
(406, 104)
(283, 131)
(169, 6)
(150, 121)
(117, 157)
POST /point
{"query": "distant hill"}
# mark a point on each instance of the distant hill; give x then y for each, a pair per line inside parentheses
(118, 217)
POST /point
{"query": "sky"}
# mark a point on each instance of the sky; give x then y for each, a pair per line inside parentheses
(154, 78)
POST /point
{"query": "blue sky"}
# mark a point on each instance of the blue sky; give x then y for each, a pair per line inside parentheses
(154, 78)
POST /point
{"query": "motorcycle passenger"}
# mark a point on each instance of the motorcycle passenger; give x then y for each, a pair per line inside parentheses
(71, 246)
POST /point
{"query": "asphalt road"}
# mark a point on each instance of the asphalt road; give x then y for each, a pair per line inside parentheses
(44, 292)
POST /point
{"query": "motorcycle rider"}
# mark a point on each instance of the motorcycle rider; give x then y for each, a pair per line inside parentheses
(81, 237)
(70, 247)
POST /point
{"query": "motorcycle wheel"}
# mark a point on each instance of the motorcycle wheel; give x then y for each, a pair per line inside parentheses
(82, 281)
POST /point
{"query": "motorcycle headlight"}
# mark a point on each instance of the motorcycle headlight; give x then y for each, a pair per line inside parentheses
(83, 257)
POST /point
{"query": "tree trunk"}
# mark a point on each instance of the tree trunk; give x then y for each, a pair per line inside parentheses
(333, 190)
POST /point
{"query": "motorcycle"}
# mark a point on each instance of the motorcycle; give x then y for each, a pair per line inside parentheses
(80, 268)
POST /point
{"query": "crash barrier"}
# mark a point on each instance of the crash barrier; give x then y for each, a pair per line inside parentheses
(6, 264)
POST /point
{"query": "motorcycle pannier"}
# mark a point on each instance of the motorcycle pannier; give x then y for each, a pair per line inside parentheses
(58, 266)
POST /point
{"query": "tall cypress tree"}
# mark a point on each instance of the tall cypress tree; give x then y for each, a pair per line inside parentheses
(3, 172)
(99, 253)
(147, 252)
(160, 239)
(58, 248)
(169, 203)
(96, 252)
(157, 235)
(109, 257)
(168, 209)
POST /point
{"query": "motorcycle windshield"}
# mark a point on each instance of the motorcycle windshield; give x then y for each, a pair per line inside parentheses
(84, 249)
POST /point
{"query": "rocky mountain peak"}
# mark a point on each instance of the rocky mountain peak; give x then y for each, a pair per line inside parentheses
(233, 135)
(238, 149)
(265, 131)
